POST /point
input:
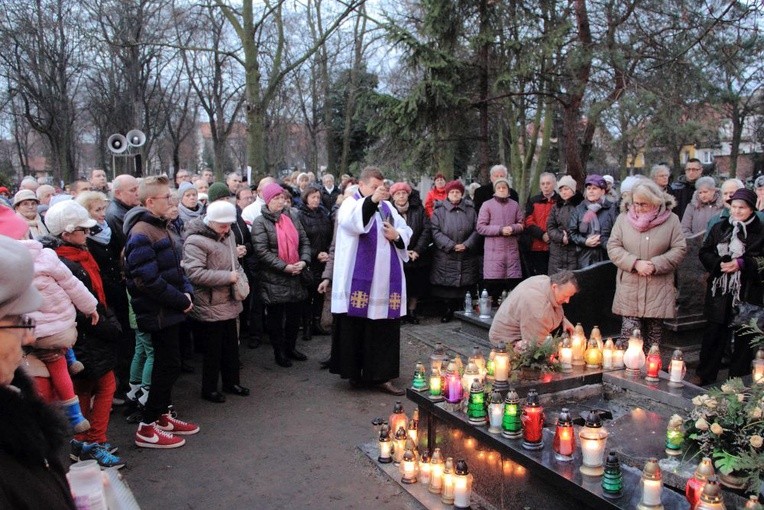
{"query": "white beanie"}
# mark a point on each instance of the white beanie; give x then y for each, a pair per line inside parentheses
(629, 182)
(220, 211)
(567, 181)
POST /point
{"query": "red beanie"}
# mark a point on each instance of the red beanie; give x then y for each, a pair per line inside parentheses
(455, 184)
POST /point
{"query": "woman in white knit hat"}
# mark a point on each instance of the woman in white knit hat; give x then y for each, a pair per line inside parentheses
(562, 252)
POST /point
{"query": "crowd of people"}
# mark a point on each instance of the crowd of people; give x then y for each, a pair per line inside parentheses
(140, 274)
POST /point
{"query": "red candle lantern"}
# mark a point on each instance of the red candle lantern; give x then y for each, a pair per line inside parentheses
(653, 363)
(533, 422)
(564, 443)
(694, 487)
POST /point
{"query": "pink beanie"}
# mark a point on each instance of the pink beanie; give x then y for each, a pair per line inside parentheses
(271, 191)
(11, 225)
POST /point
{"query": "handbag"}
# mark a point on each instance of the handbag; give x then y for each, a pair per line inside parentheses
(240, 289)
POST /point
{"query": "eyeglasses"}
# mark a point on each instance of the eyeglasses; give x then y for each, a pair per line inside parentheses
(23, 322)
(82, 229)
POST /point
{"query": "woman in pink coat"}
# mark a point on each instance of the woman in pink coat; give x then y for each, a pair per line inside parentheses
(56, 329)
(501, 222)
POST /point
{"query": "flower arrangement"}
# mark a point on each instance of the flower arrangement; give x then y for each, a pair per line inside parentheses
(540, 356)
(727, 424)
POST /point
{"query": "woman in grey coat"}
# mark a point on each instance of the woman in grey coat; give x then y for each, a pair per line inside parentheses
(283, 254)
(455, 266)
(212, 269)
(562, 250)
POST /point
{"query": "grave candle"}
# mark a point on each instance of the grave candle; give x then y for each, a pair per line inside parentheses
(462, 485)
(453, 384)
(436, 472)
(385, 445)
(564, 443)
(694, 486)
(436, 390)
(501, 367)
(476, 404)
(677, 369)
(447, 494)
(495, 412)
(533, 422)
(399, 445)
(607, 354)
(566, 354)
(398, 418)
(652, 486)
(578, 343)
(419, 382)
(757, 367)
(711, 496)
(424, 468)
(634, 357)
(511, 426)
(593, 354)
(618, 353)
(409, 467)
(674, 436)
(593, 441)
(654, 363)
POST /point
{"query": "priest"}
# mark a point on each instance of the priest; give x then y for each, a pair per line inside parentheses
(369, 286)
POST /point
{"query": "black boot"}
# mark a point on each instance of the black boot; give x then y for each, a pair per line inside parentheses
(292, 353)
(307, 331)
(281, 359)
(411, 317)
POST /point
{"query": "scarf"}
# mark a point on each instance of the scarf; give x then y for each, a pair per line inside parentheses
(86, 260)
(501, 200)
(590, 223)
(287, 239)
(101, 233)
(643, 222)
(402, 209)
(363, 270)
(187, 214)
(37, 228)
(732, 246)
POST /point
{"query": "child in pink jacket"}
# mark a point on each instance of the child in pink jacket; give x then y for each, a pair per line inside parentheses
(56, 328)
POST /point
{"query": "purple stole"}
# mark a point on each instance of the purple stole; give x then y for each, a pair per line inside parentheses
(363, 272)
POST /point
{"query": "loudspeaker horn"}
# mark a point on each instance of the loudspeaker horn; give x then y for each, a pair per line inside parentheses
(135, 138)
(117, 143)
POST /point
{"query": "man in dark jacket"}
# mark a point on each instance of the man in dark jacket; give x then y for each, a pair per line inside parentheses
(485, 192)
(329, 192)
(125, 191)
(684, 186)
(161, 297)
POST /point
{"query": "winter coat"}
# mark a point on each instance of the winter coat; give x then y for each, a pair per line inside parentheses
(329, 199)
(115, 217)
(606, 216)
(276, 286)
(682, 190)
(33, 436)
(451, 225)
(696, 215)
(188, 215)
(664, 245)
(110, 264)
(37, 228)
(562, 256)
(96, 344)
(501, 259)
(155, 278)
(61, 292)
(243, 237)
(319, 229)
(421, 238)
(207, 262)
(485, 193)
(433, 196)
(536, 215)
(718, 308)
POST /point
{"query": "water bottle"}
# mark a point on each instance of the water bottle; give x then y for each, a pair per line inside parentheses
(468, 304)
(485, 305)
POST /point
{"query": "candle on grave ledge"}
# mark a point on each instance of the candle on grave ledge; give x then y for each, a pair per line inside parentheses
(385, 445)
(436, 385)
(479, 360)
(618, 353)
(447, 494)
(459, 364)
(566, 354)
(470, 374)
(597, 335)
(757, 367)
(593, 442)
(654, 363)
(533, 422)
(377, 424)
(674, 436)
(398, 418)
(703, 472)
(409, 467)
(490, 365)
(677, 369)
(438, 359)
(652, 487)
(501, 366)
(578, 343)
(454, 390)
(634, 357)
(564, 443)
(612, 479)
(436, 472)
(607, 354)
(399, 445)
(711, 496)
(511, 425)
(495, 412)
(462, 485)
(476, 404)
(413, 430)
(419, 382)
(593, 354)
(424, 468)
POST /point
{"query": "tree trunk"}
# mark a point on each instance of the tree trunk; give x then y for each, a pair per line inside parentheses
(737, 131)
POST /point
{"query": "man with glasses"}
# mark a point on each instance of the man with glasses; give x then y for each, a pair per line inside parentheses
(684, 186)
(161, 297)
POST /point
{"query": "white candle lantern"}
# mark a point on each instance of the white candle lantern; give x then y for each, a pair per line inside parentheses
(436, 472)
(618, 353)
(462, 485)
(447, 495)
(652, 487)
(566, 354)
(501, 366)
(495, 413)
(385, 445)
(607, 354)
(424, 468)
(578, 344)
(757, 367)
(593, 438)
(677, 369)
(409, 467)
(634, 357)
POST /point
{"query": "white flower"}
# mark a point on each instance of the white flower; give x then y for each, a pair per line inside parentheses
(756, 413)
(756, 441)
(717, 429)
(698, 400)
(740, 397)
(728, 388)
(701, 424)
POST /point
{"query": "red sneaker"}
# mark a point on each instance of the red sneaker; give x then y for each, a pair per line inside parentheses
(175, 426)
(151, 436)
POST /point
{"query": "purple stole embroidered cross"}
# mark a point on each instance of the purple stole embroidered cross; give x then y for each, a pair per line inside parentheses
(363, 272)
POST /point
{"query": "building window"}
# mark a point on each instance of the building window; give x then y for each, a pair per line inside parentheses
(707, 157)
